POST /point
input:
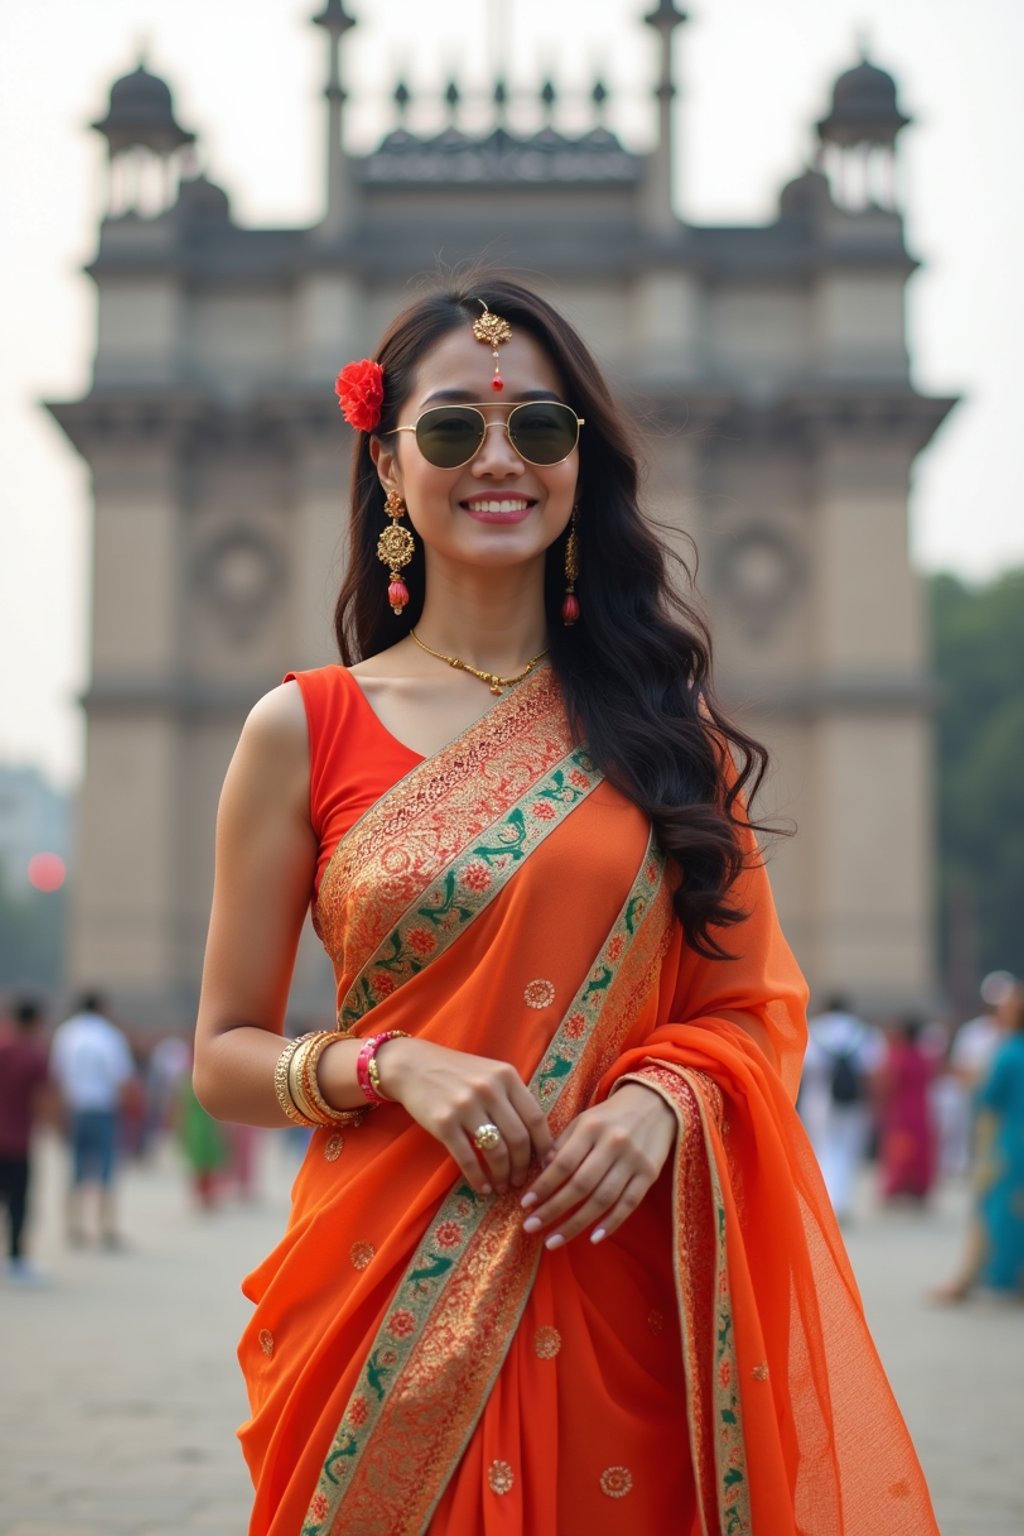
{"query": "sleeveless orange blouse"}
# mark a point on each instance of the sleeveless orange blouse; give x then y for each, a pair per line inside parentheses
(353, 758)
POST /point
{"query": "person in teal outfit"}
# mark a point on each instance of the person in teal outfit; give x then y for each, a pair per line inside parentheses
(1000, 1100)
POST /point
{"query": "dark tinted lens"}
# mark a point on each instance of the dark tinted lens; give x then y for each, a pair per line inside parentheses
(449, 435)
(544, 433)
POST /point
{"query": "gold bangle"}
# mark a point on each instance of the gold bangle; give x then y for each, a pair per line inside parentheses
(295, 1088)
(282, 1087)
(310, 1084)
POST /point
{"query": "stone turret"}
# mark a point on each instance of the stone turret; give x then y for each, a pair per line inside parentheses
(144, 144)
(858, 136)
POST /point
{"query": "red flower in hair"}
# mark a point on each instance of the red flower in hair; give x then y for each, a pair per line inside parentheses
(360, 391)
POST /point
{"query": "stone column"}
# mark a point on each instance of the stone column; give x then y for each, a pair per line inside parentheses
(870, 746)
(126, 901)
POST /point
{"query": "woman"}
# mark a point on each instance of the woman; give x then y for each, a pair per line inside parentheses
(907, 1143)
(575, 1271)
(1000, 1170)
(994, 1251)
(995, 1243)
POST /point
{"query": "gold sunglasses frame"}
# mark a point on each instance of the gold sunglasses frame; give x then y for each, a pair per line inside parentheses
(478, 406)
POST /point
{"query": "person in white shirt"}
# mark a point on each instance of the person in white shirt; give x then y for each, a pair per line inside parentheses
(975, 1043)
(91, 1062)
(843, 1053)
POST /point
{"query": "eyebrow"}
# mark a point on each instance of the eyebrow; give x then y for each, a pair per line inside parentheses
(461, 396)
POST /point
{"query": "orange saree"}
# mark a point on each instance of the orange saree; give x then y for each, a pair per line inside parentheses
(415, 1362)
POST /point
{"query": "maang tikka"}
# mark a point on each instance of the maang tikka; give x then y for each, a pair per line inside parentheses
(493, 331)
(395, 548)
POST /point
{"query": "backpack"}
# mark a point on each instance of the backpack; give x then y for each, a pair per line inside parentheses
(846, 1085)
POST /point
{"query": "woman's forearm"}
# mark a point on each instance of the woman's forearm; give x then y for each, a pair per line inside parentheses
(234, 1075)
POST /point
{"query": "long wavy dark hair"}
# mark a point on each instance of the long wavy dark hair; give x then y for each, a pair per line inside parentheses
(635, 671)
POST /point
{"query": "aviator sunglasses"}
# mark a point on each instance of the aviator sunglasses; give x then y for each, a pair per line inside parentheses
(543, 432)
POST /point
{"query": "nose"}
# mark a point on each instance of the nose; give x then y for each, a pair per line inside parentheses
(496, 455)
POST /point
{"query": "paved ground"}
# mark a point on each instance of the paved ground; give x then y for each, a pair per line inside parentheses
(119, 1392)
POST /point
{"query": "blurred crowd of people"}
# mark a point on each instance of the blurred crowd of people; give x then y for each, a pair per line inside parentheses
(928, 1103)
(112, 1096)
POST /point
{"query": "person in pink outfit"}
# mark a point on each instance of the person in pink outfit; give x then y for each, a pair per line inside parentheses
(907, 1141)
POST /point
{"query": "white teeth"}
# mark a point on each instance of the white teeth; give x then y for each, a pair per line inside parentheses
(519, 505)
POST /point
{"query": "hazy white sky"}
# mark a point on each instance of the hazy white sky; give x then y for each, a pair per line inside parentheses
(755, 74)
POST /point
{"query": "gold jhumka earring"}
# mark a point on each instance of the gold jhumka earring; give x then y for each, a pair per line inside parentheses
(493, 331)
(395, 548)
(570, 602)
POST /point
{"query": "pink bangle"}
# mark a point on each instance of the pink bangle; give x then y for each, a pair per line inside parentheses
(366, 1066)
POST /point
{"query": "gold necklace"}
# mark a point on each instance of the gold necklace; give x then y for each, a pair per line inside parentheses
(493, 679)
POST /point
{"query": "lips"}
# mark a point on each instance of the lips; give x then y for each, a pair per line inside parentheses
(498, 509)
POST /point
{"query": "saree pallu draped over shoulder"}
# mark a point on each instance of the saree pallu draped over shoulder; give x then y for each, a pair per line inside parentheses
(416, 1362)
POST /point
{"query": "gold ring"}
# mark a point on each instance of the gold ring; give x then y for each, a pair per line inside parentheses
(487, 1137)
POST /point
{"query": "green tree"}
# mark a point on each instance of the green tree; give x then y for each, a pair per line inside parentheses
(978, 661)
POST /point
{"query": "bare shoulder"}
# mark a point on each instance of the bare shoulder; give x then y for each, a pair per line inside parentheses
(271, 761)
(278, 719)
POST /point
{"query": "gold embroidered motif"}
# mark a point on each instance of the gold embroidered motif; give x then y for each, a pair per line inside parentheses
(539, 993)
(547, 1342)
(266, 1341)
(760, 1372)
(361, 1254)
(655, 1321)
(334, 1148)
(616, 1482)
(500, 1477)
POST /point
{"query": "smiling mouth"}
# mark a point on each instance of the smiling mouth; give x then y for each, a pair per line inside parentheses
(500, 505)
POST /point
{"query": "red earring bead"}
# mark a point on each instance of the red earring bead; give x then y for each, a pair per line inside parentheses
(570, 609)
(497, 382)
(398, 595)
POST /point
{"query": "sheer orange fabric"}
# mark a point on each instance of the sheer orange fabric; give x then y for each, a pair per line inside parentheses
(415, 1362)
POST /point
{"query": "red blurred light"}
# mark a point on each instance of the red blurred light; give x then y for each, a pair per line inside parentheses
(46, 871)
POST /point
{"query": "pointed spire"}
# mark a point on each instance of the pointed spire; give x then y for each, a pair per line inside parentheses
(452, 97)
(334, 18)
(599, 96)
(548, 96)
(336, 21)
(401, 96)
(664, 19)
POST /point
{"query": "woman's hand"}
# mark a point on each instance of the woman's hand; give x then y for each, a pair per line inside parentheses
(452, 1094)
(604, 1164)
